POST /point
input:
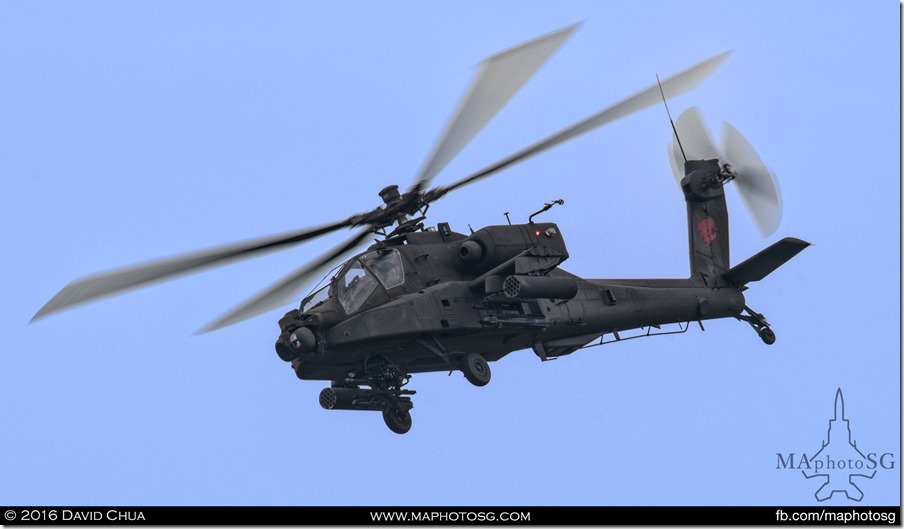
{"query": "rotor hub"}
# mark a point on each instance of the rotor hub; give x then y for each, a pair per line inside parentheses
(390, 194)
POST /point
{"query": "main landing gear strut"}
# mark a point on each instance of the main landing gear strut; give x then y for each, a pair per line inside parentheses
(759, 324)
(385, 393)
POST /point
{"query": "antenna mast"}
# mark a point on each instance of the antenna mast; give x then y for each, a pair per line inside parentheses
(670, 118)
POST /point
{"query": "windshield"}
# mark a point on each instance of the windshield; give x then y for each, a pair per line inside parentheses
(319, 293)
(361, 278)
(316, 298)
(354, 287)
(387, 266)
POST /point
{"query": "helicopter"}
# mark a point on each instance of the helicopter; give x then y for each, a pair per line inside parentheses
(423, 298)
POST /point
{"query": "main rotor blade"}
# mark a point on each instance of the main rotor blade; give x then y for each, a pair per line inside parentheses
(282, 292)
(115, 281)
(498, 79)
(674, 85)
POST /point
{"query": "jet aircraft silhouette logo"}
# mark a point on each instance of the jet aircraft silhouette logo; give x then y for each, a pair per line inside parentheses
(838, 464)
(839, 461)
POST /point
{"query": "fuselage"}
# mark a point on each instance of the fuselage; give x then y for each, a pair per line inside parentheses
(418, 302)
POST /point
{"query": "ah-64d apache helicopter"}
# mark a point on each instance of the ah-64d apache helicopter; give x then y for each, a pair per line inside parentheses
(425, 299)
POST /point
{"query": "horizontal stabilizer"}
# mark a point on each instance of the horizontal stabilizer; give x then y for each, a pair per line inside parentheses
(765, 262)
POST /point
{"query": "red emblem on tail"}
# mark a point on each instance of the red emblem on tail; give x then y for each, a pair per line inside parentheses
(707, 230)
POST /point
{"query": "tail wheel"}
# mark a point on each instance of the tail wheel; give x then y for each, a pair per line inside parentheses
(397, 418)
(767, 335)
(476, 369)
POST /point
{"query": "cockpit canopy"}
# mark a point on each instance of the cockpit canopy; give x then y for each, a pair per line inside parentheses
(359, 279)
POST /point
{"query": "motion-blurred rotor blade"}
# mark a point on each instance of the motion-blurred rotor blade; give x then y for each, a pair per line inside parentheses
(695, 139)
(115, 281)
(756, 184)
(676, 160)
(677, 84)
(284, 290)
(498, 79)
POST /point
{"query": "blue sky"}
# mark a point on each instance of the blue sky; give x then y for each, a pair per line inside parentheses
(138, 130)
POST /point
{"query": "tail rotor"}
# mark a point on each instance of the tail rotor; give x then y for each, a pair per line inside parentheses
(756, 184)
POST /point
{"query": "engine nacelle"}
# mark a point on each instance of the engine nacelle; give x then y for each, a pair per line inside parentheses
(494, 245)
(470, 253)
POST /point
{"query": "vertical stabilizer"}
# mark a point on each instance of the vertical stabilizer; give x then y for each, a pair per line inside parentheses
(707, 217)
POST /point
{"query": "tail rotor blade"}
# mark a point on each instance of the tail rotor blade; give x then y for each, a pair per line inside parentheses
(676, 160)
(756, 184)
(697, 143)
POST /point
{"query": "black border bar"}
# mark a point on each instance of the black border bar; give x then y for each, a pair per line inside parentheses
(478, 516)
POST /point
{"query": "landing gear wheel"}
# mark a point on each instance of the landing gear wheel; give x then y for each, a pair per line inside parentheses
(397, 418)
(767, 335)
(759, 324)
(476, 369)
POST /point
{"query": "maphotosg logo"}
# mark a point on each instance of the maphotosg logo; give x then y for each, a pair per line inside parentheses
(840, 464)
